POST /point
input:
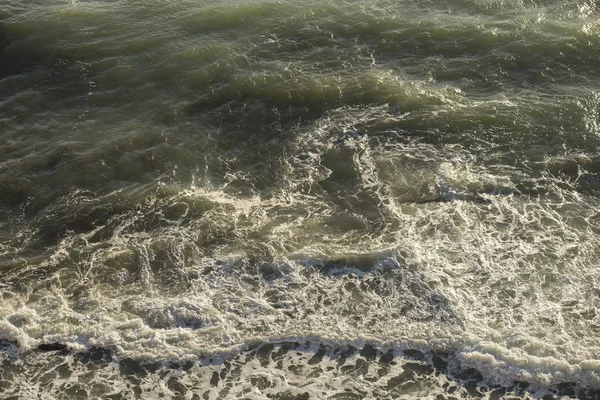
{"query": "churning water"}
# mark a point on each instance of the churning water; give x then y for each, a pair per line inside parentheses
(299, 199)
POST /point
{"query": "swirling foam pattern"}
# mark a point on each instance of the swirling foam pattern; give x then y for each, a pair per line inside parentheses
(318, 199)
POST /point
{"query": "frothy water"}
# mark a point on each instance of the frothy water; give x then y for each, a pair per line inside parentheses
(281, 200)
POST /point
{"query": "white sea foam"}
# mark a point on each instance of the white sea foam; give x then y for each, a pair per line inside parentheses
(501, 281)
(367, 184)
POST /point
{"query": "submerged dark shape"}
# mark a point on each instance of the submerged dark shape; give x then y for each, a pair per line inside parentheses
(13, 192)
(52, 347)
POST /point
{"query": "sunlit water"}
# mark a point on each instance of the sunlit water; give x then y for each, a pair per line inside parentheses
(293, 200)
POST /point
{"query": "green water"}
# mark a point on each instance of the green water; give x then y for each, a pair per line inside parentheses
(192, 182)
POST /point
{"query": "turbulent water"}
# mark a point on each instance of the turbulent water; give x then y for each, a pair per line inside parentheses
(299, 199)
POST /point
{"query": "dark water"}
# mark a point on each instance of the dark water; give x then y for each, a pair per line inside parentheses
(341, 199)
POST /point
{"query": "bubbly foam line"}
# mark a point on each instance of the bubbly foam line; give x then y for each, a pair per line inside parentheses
(293, 367)
(476, 359)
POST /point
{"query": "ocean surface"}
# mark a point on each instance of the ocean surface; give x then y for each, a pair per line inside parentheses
(299, 199)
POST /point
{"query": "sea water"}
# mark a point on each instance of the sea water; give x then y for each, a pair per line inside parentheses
(292, 200)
